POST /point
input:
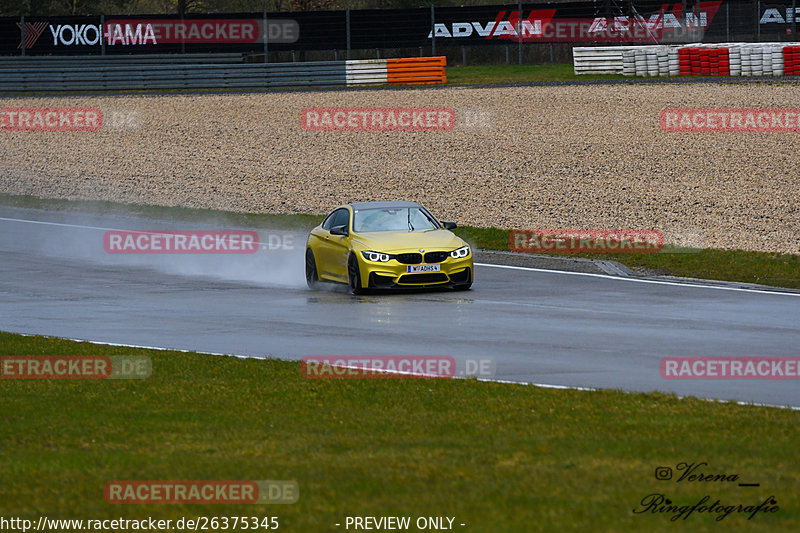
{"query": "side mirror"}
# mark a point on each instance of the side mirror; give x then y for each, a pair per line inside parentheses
(340, 230)
(449, 225)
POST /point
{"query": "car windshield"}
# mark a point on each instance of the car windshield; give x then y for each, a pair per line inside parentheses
(393, 219)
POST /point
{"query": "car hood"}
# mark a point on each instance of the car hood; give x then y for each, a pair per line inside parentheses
(409, 241)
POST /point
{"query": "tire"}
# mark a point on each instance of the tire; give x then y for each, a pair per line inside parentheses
(354, 275)
(462, 287)
(312, 279)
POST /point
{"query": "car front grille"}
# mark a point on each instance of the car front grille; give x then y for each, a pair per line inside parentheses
(436, 257)
(434, 277)
(409, 259)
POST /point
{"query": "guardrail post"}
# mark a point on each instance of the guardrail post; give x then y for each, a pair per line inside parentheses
(727, 22)
(684, 22)
(758, 21)
(433, 31)
(22, 35)
(519, 31)
(347, 30)
(266, 35)
(463, 56)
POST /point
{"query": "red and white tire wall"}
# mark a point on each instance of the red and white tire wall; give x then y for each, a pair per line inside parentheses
(730, 59)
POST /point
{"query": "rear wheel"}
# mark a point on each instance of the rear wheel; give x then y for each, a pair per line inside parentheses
(312, 279)
(354, 275)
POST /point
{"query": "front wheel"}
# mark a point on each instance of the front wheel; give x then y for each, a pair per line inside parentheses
(354, 275)
(312, 279)
(462, 287)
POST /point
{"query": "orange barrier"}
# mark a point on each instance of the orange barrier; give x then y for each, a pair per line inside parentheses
(416, 70)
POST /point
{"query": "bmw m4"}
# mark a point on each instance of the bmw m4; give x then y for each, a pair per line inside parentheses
(387, 245)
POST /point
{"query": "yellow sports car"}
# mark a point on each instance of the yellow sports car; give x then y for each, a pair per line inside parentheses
(385, 245)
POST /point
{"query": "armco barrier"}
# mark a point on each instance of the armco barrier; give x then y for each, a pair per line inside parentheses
(146, 72)
(598, 59)
(724, 59)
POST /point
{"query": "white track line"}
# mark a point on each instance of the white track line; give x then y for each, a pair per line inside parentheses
(487, 380)
(637, 280)
(529, 269)
(25, 221)
(261, 245)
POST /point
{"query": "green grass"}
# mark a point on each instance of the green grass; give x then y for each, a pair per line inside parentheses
(479, 74)
(765, 268)
(778, 270)
(498, 457)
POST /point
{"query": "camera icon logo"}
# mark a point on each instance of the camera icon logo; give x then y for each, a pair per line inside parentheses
(663, 473)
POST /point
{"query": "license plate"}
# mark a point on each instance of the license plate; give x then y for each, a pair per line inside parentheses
(423, 268)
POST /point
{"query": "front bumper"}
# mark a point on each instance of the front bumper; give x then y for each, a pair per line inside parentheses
(393, 274)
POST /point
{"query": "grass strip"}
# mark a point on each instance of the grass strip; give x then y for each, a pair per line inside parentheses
(497, 457)
(483, 74)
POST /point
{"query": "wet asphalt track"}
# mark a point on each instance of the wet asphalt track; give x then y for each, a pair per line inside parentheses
(541, 327)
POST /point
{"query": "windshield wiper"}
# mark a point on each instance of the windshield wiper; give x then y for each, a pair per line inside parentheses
(410, 226)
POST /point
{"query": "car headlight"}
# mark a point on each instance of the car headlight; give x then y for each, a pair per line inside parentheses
(375, 256)
(461, 252)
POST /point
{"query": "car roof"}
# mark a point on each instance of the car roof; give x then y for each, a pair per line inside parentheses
(382, 205)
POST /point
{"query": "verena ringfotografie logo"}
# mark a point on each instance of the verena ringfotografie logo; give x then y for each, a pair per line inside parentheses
(201, 492)
(378, 119)
(730, 120)
(696, 473)
(394, 367)
(50, 119)
(181, 242)
(729, 368)
(75, 367)
(582, 241)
